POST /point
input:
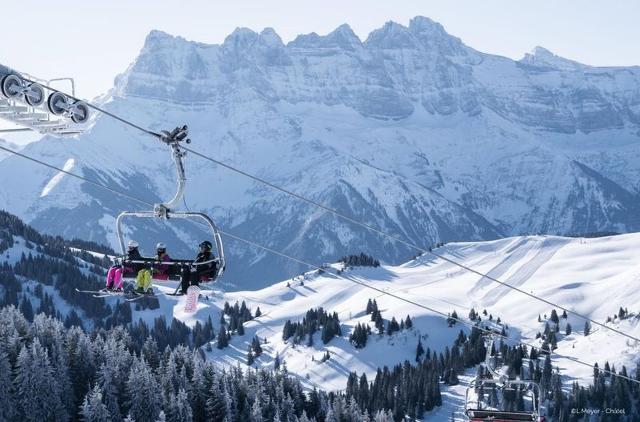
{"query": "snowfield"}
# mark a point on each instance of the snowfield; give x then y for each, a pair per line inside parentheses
(594, 276)
(590, 276)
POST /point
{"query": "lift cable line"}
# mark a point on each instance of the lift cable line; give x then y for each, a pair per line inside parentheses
(357, 222)
(77, 176)
(101, 110)
(406, 243)
(317, 267)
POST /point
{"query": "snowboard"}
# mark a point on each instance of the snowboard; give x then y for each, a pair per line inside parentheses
(192, 299)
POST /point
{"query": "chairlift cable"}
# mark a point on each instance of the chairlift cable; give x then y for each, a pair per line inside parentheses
(361, 224)
(352, 280)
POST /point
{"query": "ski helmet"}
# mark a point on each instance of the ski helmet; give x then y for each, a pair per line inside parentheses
(206, 244)
(161, 247)
(133, 244)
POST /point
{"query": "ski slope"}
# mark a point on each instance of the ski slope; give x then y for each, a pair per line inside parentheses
(591, 276)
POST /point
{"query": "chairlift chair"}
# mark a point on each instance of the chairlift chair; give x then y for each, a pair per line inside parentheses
(479, 409)
(165, 211)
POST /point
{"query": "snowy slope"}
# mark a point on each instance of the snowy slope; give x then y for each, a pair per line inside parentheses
(409, 130)
(591, 276)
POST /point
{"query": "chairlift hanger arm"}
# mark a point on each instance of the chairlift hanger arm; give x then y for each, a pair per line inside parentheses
(173, 139)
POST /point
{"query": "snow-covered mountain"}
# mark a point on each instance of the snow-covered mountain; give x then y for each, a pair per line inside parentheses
(594, 277)
(409, 130)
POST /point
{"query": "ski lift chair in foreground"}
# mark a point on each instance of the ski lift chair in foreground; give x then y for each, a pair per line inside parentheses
(165, 211)
(493, 397)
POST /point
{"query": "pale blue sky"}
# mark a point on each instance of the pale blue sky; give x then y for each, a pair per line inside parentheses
(95, 40)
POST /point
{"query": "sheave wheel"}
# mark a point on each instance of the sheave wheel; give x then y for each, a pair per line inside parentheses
(34, 95)
(57, 103)
(80, 112)
(11, 85)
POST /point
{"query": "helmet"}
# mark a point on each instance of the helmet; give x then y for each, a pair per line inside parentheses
(132, 244)
(206, 244)
(161, 247)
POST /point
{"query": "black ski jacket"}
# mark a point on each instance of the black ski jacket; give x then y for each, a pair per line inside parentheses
(134, 255)
(204, 257)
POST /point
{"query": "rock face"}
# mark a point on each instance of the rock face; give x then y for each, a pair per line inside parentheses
(409, 130)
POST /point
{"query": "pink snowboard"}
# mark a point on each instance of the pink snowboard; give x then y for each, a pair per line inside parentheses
(192, 299)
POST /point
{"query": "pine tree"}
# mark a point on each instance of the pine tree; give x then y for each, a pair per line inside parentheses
(587, 328)
(93, 409)
(151, 353)
(419, 351)
(568, 329)
(256, 411)
(179, 409)
(553, 341)
(258, 312)
(472, 314)
(408, 322)
(547, 372)
(26, 308)
(143, 392)
(38, 391)
(554, 316)
(621, 313)
(7, 400)
(215, 410)
(250, 357)
(276, 362)
(222, 341)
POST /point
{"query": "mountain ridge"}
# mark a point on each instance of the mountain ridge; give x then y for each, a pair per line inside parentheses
(409, 130)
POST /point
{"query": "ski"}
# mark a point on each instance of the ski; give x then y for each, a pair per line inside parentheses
(137, 296)
(109, 294)
(95, 292)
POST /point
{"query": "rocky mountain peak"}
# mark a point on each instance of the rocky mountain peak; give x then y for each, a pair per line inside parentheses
(541, 57)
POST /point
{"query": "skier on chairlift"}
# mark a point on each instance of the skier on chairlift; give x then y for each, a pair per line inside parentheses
(158, 271)
(116, 272)
(191, 275)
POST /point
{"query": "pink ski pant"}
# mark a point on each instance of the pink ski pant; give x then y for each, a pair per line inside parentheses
(114, 276)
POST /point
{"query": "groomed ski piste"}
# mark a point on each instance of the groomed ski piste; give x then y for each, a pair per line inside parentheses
(592, 276)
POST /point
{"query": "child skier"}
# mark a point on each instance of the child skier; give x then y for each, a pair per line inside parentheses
(158, 271)
(115, 273)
